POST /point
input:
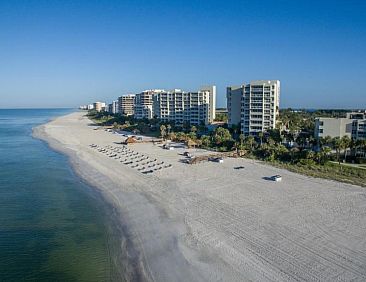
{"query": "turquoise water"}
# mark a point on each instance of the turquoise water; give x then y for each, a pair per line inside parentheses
(53, 227)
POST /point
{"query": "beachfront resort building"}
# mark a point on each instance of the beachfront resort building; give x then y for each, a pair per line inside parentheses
(144, 103)
(211, 90)
(182, 107)
(126, 104)
(113, 107)
(171, 106)
(258, 106)
(353, 126)
(99, 106)
(234, 95)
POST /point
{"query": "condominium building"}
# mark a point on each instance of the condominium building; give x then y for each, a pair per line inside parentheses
(126, 105)
(234, 95)
(353, 126)
(358, 125)
(212, 101)
(99, 106)
(143, 107)
(259, 105)
(181, 107)
(113, 107)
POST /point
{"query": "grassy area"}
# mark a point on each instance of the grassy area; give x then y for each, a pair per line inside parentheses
(362, 166)
(346, 174)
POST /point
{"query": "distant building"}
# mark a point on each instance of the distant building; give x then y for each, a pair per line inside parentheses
(259, 105)
(353, 126)
(126, 105)
(83, 107)
(99, 106)
(181, 107)
(113, 107)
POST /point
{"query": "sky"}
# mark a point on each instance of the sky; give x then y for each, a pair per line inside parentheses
(68, 53)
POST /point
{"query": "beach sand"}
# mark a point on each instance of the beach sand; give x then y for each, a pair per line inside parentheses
(211, 222)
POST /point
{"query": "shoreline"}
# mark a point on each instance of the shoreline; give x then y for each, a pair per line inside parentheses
(209, 222)
(124, 261)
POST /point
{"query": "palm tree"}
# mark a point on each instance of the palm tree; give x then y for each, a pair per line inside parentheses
(325, 152)
(345, 144)
(260, 135)
(271, 142)
(309, 155)
(163, 131)
(361, 146)
(221, 135)
(250, 141)
(293, 152)
(337, 145)
(168, 127)
(327, 140)
(206, 141)
(241, 138)
(181, 136)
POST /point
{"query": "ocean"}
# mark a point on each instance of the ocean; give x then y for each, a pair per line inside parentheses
(53, 226)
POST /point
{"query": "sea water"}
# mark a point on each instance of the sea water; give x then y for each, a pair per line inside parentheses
(53, 227)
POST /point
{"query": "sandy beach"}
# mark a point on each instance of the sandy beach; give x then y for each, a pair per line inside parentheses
(212, 222)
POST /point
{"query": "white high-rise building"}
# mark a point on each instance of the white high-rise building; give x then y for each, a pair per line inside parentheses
(144, 104)
(181, 107)
(113, 107)
(126, 105)
(259, 107)
(234, 96)
(212, 101)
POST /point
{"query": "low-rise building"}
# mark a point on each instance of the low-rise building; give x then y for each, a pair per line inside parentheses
(353, 126)
(359, 129)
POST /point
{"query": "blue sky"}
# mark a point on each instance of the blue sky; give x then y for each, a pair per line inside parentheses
(66, 53)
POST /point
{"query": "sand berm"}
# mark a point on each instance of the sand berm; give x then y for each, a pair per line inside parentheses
(212, 222)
